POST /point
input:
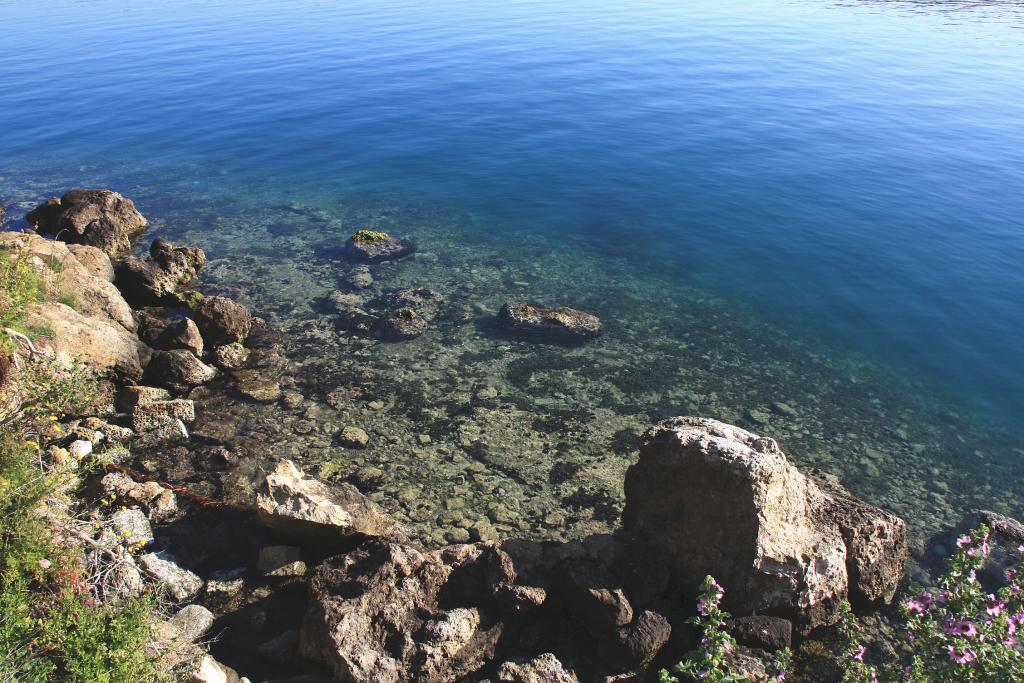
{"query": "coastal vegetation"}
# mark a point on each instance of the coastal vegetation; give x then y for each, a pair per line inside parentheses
(52, 624)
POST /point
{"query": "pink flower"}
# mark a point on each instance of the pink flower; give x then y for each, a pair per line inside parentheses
(922, 604)
(966, 656)
(963, 541)
(960, 627)
(718, 589)
(995, 607)
(859, 655)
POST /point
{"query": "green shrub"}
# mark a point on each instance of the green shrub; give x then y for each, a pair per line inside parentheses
(20, 287)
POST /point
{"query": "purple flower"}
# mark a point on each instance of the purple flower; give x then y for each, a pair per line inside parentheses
(718, 589)
(922, 604)
(859, 655)
(965, 656)
(963, 541)
(960, 627)
(995, 606)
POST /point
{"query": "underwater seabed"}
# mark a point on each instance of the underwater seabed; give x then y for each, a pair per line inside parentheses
(472, 434)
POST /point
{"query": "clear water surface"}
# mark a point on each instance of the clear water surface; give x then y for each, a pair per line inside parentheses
(848, 176)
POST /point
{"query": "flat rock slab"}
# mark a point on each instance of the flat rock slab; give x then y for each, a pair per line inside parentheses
(561, 324)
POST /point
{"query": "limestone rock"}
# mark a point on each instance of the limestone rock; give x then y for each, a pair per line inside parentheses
(100, 218)
(377, 246)
(192, 622)
(156, 281)
(222, 321)
(295, 503)
(230, 356)
(358, 278)
(180, 583)
(131, 527)
(95, 260)
(178, 369)
(350, 309)
(155, 413)
(725, 502)
(101, 345)
(181, 334)
(133, 395)
(562, 324)
(541, 669)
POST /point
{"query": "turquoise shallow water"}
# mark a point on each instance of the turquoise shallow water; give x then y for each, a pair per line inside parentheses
(808, 202)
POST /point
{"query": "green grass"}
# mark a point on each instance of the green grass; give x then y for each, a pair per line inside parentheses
(20, 287)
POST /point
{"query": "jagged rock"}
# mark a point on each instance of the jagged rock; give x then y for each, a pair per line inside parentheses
(230, 356)
(297, 504)
(761, 632)
(725, 502)
(156, 281)
(542, 669)
(125, 580)
(192, 622)
(178, 369)
(222, 321)
(530, 319)
(180, 583)
(209, 670)
(368, 605)
(181, 334)
(377, 246)
(589, 593)
(155, 413)
(100, 218)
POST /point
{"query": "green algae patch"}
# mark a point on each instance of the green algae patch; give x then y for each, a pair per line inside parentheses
(364, 236)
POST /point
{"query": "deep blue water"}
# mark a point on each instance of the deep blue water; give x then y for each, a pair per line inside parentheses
(851, 171)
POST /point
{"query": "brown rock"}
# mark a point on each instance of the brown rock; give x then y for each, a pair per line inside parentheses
(100, 218)
(181, 334)
(157, 280)
(178, 369)
(222, 321)
(562, 324)
(725, 502)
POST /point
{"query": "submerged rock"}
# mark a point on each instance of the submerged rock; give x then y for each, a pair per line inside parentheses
(410, 312)
(369, 245)
(99, 218)
(563, 324)
(358, 278)
(725, 502)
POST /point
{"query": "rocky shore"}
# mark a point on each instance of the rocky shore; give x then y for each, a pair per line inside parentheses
(296, 578)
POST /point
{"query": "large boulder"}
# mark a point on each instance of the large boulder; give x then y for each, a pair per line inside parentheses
(99, 218)
(82, 285)
(725, 502)
(561, 324)
(300, 506)
(372, 246)
(156, 280)
(71, 337)
(178, 370)
(222, 321)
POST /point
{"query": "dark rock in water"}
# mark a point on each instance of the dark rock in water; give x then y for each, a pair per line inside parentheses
(222, 321)
(372, 246)
(725, 502)
(761, 632)
(563, 324)
(177, 370)
(403, 323)
(155, 281)
(351, 314)
(410, 313)
(99, 218)
(180, 334)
